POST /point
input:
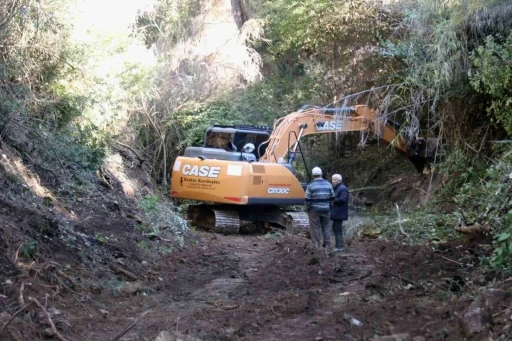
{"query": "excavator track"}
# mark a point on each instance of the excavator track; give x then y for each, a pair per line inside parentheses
(219, 220)
(228, 220)
(300, 220)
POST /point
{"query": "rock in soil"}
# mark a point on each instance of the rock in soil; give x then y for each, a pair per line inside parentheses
(174, 336)
(477, 317)
(353, 321)
(475, 320)
(132, 288)
(394, 337)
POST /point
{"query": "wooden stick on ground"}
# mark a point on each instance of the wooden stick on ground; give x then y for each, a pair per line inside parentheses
(141, 160)
(453, 261)
(66, 276)
(14, 316)
(363, 189)
(400, 224)
(40, 306)
(403, 279)
(21, 298)
(130, 326)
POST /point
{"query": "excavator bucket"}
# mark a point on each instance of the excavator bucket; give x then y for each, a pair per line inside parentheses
(419, 162)
(423, 152)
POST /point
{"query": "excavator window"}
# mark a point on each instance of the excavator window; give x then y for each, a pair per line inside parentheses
(232, 139)
(242, 138)
(221, 140)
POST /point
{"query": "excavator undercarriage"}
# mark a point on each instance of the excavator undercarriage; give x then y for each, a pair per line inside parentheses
(229, 219)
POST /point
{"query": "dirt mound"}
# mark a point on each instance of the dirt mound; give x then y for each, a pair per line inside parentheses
(276, 288)
(62, 245)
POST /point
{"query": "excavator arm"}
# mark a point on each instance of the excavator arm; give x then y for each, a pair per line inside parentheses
(290, 129)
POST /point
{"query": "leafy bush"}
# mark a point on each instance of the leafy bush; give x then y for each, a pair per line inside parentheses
(336, 42)
(257, 104)
(29, 250)
(193, 120)
(163, 221)
(492, 75)
(497, 200)
(69, 150)
(435, 43)
(502, 257)
(458, 171)
(169, 19)
(313, 26)
(483, 193)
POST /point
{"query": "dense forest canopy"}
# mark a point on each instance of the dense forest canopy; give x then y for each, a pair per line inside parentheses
(77, 76)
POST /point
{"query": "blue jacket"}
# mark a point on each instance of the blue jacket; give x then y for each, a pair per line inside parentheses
(339, 210)
(319, 195)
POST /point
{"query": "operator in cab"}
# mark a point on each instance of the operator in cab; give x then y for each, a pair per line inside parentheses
(319, 195)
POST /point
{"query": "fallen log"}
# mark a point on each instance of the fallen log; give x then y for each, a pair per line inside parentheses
(369, 188)
(472, 229)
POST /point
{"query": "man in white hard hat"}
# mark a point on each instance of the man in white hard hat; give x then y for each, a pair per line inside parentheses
(319, 195)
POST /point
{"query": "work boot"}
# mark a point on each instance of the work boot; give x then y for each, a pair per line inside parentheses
(340, 245)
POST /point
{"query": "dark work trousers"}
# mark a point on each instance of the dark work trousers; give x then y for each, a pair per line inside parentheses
(320, 226)
(337, 228)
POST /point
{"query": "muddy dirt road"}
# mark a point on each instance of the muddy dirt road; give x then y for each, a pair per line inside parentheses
(261, 288)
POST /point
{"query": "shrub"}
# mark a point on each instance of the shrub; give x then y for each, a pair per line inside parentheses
(492, 75)
(163, 221)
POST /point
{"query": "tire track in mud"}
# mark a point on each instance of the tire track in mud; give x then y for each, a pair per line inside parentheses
(279, 290)
(257, 288)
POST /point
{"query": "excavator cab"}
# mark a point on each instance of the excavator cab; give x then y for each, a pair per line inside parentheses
(232, 143)
(235, 138)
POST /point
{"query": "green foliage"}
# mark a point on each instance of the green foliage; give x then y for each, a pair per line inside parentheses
(113, 285)
(438, 42)
(101, 238)
(29, 250)
(458, 171)
(493, 76)
(162, 221)
(273, 234)
(321, 27)
(483, 194)
(502, 257)
(169, 19)
(434, 43)
(66, 84)
(496, 197)
(71, 149)
(165, 250)
(143, 246)
(335, 42)
(422, 226)
(148, 203)
(193, 120)
(275, 97)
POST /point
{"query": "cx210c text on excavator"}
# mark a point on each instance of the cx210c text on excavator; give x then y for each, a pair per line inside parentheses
(241, 176)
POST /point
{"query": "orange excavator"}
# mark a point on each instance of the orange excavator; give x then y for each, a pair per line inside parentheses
(245, 175)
